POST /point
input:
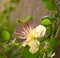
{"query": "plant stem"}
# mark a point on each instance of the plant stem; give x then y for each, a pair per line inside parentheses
(2, 51)
(57, 31)
(16, 51)
(53, 29)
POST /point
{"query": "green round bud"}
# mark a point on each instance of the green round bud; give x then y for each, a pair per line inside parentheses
(45, 22)
(5, 35)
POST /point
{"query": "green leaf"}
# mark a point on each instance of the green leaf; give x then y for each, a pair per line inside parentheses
(14, 1)
(8, 10)
(48, 31)
(44, 1)
(50, 4)
(10, 27)
(1, 56)
(53, 19)
(52, 43)
(7, 48)
(2, 20)
(45, 22)
(43, 39)
(6, 35)
(26, 53)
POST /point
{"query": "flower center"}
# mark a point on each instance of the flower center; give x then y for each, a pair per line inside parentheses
(31, 35)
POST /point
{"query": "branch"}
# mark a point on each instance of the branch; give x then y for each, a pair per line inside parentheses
(57, 31)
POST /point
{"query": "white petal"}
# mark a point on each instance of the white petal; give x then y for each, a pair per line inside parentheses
(34, 46)
(40, 30)
(26, 42)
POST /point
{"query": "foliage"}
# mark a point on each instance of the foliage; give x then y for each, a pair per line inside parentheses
(50, 5)
(11, 47)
